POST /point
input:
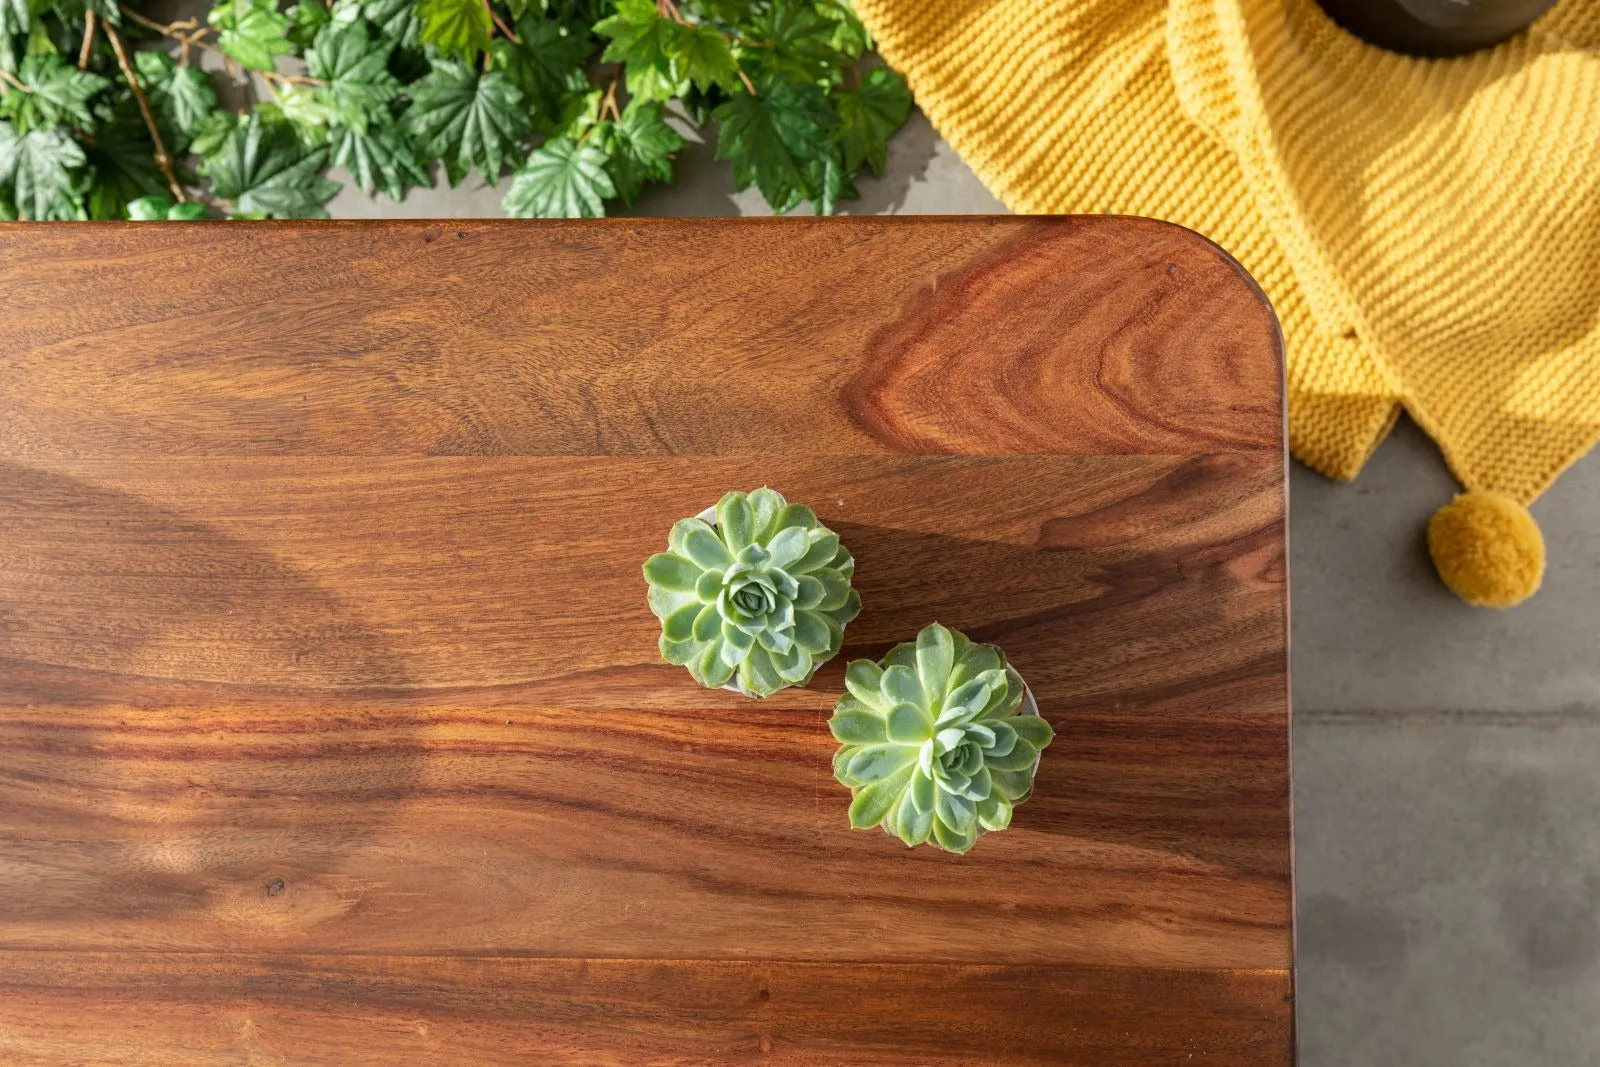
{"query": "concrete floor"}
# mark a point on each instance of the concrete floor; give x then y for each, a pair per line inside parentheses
(1447, 804)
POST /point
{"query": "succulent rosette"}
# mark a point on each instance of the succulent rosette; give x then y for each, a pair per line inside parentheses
(936, 746)
(758, 599)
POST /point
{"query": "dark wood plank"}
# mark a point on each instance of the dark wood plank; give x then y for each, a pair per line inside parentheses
(482, 579)
(161, 1009)
(324, 656)
(633, 337)
(444, 668)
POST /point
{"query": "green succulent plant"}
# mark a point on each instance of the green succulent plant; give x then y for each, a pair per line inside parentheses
(759, 599)
(933, 746)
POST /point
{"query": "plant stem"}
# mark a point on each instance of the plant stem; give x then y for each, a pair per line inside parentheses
(609, 103)
(87, 49)
(13, 81)
(193, 38)
(163, 160)
(498, 21)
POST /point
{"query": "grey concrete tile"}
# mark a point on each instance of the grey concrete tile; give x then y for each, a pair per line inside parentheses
(1374, 629)
(1448, 886)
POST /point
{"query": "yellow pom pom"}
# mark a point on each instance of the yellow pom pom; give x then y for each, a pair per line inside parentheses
(1488, 549)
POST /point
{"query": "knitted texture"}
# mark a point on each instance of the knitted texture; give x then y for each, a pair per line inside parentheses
(1428, 230)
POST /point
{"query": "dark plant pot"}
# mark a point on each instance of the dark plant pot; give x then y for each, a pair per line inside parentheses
(1435, 27)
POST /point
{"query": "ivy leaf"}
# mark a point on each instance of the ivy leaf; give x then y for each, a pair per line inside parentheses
(647, 43)
(266, 172)
(356, 69)
(769, 137)
(252, 32)
(211, 131)
(181, 97)
(547, 65)
(831, 181)
(15, 19)
(652, 84)
(638, 35)
(702, 55)
(378, 157)
(159, 208)
(122, 160)
(729, 11)
(850, 37)
(43, 169)
(640, 148)
(869, 115)
(468, 119)
(396, 20)
(798, 41)
(57, 92)
(459, 27)
(561, 179)
(301, 107)
(306, 20)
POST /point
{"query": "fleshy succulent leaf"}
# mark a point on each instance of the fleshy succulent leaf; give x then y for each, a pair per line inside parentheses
(909, 724)
(878, 761)
(1004, 738)
(1018, 757)
(757, 673)
(935, 657)
(796, 515)
(765, 507)
(852, 727)
(872, 802)
(707, 624)
(1035, 731)
(809, 591)
(787, 546)
(902, 655)
(794, 665)
(671, 572)
(952, 840)
(900, 685)
(1013, 785)
(959, 772)
(705, 548)
(973, 662)
(714, 669)
(863, 678)
(733, 590)
(956, 812)
(811, 632)
(824, 544)
(994, 812)
(677, 652)
(709, 585)
(835, 590)
(679, 626)
(735, 521)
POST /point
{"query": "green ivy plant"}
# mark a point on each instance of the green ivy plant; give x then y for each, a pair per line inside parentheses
(571, 97)
(758, 600)
(933, 745)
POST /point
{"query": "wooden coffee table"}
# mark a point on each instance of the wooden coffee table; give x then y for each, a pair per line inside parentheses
(332, 728)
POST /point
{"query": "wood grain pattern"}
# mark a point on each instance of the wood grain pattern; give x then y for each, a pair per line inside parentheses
(331, 726)
(227, 1008)
(634, 337)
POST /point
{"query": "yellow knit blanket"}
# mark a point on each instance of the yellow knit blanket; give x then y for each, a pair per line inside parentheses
(1426, 229)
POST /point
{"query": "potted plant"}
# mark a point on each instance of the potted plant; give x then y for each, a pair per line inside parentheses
(939, 741)
(753, 595)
